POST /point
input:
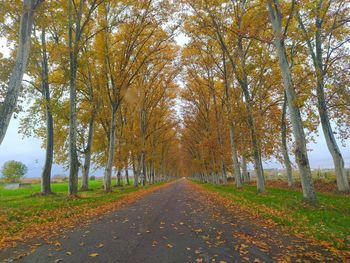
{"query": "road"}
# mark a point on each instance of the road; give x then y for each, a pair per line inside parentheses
(177, 223)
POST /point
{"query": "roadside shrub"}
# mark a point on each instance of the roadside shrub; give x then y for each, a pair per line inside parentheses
(13, 171)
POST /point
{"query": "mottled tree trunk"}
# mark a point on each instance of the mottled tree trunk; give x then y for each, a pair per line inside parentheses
(135, 173)
(287, 163)
(127, 174)
(294, 111)
(87, 153)
(144, 170)
(46, 173)
(152, 173)
(245, 174)
(317, 58)
(234, 155)
(73, 155)
(107, 180)
(119, 177)
(8, 106)
(236, 167)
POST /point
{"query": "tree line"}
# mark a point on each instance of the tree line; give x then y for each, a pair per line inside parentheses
(260, 77)
(100, 86)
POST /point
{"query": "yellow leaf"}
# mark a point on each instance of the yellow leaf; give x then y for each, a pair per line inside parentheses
(94, 255)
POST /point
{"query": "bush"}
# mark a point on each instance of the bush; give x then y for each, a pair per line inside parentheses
(92, 178)
(13, 171)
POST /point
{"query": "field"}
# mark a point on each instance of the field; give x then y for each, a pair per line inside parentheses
(329, 221)
(22, 208)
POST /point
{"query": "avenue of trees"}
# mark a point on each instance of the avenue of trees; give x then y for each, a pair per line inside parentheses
(260, 76)
(104, 79)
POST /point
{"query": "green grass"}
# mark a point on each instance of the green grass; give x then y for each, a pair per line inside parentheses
(20, 208)
(328, 221)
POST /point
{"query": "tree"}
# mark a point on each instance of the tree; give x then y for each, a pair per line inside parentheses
(302, 159)
(9, 104)
(326, 47)
(13, 171)
(79, 17)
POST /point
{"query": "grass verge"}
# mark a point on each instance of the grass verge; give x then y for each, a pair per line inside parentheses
(21, 210)
(329, 221)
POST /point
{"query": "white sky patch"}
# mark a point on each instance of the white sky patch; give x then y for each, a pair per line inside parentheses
(4, 48)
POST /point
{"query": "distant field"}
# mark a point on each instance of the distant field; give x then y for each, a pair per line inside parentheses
(329, 221)
(21, 208)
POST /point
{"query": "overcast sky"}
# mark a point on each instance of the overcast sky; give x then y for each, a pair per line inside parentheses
(29, 151)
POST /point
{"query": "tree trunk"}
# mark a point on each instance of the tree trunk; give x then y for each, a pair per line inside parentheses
(294, 111)
(8, 106)
(342, 179)
(107, 180)
(234, 156)
(119, 177)
(46, 173)
(87, 161)
(127, 175)
(236, 168)
(152, 173)
(73, 156)
(317, 58)
(143, 169)
(245, 174)
(286, 159)
(135, 173)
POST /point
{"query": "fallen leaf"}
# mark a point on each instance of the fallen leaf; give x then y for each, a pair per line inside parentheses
(69, 253)
(169, 245)
(94, 255)
(100, 245)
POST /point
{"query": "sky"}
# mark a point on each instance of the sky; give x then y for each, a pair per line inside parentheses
(29, 151)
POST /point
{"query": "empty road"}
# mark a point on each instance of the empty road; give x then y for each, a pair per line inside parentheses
(178, 223)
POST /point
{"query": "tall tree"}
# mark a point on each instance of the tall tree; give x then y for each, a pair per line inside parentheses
(9, 104)
(325, 44)
(302, 159)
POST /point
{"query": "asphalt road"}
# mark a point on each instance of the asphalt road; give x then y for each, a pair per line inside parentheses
(178, 224)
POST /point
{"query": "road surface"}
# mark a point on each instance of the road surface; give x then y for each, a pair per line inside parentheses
(177, 223)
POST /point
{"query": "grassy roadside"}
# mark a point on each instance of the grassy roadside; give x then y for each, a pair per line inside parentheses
(20, 209)
(329, 221)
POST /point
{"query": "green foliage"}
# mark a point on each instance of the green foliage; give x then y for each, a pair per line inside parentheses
(92, 178)
(328, 221)
(13, 171)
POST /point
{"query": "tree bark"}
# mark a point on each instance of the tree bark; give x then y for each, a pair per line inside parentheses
(119, 179)
(135, 173)
(236, 167)
(287, 163)
(87, 153)
(144, 170)
(317, 58)
(73, 155)
(46, 173)
(234, 155)
(245, 174)
(127, 175)
(107, 181)
(8, 106)
(294, 111)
